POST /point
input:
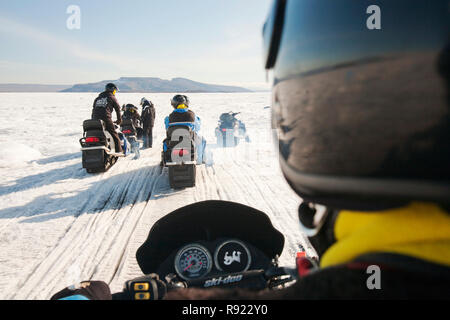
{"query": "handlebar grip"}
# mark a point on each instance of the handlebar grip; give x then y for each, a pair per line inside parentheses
(144, 288)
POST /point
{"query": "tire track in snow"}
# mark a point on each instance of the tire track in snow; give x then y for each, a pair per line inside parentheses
(84, 237)
(138, 209)
(127, 267)
(100, 230)
(103, 243)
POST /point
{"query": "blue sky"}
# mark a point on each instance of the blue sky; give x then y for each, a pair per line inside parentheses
(215, 41)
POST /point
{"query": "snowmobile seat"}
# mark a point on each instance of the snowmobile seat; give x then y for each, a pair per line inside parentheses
(93, 125)
(176, 126)
(170, 144)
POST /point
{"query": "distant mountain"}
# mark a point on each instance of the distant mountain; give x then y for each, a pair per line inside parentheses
(155, 85)
(15, 87)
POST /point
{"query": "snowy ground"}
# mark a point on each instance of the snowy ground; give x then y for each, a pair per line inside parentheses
(60, 225)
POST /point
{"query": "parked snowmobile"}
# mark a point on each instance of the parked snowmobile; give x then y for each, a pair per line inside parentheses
(180, 155)
(230, 130)
(133, 135)
(98, 147)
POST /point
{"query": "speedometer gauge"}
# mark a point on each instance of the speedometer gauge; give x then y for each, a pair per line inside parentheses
(193, 261)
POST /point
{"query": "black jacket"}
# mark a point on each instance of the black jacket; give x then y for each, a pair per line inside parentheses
(104, 105)
(148, 115)
(187, 116)
(401, 277)
(134, 117)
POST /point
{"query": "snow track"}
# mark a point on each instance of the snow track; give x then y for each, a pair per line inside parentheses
(60, 225)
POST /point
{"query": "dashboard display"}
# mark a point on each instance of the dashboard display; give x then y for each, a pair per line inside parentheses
(193, 262)
(232, 256)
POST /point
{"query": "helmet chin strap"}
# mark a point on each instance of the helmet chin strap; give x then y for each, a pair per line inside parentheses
(317, 223)
(312, 218)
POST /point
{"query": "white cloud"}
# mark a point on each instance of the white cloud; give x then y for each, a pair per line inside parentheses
(236, 59)
(51, 41)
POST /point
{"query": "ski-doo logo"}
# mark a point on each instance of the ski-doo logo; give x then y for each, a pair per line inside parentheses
(219, 281)
(236, 257)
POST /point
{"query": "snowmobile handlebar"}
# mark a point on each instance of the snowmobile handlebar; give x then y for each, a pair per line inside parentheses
(150, 287)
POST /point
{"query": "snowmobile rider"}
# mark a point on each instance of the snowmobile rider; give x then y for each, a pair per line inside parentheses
(229, 118)
(364, 142)
(132, 113)
(148, 121)
(183, 115)
(103, 107)
(181, 112)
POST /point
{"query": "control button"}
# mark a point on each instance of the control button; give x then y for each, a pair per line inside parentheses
(141, 286)
(142, 296)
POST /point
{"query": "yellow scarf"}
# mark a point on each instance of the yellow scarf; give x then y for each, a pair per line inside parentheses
(420, 230)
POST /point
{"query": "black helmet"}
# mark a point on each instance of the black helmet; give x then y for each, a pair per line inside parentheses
(131, 108)
(179, 99)
(145, 102)
(110, 87)
(361, 115)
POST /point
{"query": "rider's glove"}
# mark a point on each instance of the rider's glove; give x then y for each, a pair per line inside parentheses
(88, 290)
(149, 287)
